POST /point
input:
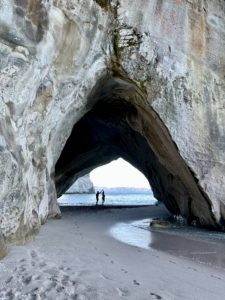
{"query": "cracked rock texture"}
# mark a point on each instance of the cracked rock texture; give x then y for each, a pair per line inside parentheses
(3, 248)
(59, 58)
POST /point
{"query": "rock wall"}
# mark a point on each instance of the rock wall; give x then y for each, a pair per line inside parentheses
(175, 50)
(82, 185)
(54, 57)
(45, 57)
(3, 247)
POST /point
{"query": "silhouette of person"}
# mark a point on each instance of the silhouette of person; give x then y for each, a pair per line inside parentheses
(97, 197)
(103, 197)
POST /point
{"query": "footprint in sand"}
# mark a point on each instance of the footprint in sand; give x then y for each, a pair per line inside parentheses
(32, 263)
(123, 292)
(105, 276)
(9, 280)
(50, 287)
(10, 295)
(59, 289)
(26, 279)
(155, 296)
(135, 282)
(33, 254)
(65, 279)
(124, 271)
(42, 264)
(193, 269)
(62, 268)
(22, 268)
(217, 277)
(36, 278)
(78, 297)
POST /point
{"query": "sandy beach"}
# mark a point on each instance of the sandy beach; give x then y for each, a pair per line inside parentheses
(77, 258)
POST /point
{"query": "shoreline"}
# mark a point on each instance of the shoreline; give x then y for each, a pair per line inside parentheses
(99, 206)
(76, 258)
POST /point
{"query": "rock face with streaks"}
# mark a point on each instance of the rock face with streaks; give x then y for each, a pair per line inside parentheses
(83, 82)
(82, 185)
(3, 248)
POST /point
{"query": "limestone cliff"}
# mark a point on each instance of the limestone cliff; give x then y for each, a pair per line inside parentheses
(83, 82)
(82, 185)
(3, 248)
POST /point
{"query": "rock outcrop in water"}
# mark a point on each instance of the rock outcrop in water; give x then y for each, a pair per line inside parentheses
(82, 185)
(83, 82)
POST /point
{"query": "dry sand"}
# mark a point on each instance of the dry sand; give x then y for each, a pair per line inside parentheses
(76, 258)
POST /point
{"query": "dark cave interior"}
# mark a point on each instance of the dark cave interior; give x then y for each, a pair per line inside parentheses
(119, 125)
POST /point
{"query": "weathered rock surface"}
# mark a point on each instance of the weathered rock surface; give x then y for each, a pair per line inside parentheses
(3, 247)
(160, 223)
(82, 185)
(145, 76)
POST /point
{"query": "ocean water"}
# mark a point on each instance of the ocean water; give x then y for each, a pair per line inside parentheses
(197, 244)
(133, 233)
(111, 199)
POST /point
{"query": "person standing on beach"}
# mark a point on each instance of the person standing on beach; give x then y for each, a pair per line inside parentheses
(103, 197)
(97, 197)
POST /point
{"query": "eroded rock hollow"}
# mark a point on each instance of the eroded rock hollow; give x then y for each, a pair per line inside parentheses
(84, 82)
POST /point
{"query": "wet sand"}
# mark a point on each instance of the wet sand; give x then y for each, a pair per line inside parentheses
(200, 245)
(77, 258)
(200, 249)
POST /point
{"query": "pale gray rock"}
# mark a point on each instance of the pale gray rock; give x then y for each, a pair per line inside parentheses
(82, 185)
(61, 58)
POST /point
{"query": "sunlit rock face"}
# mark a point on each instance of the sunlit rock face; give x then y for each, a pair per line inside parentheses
(83, 185)
(57, 59)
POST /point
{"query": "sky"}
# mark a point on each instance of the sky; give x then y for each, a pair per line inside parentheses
(118, 173)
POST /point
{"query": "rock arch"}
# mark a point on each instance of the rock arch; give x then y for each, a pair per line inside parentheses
(162, 63)
(121, 124)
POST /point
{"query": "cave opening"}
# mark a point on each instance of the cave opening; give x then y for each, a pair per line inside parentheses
(117, 174)
(121, 123)
(101, 136)
(123, 186)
